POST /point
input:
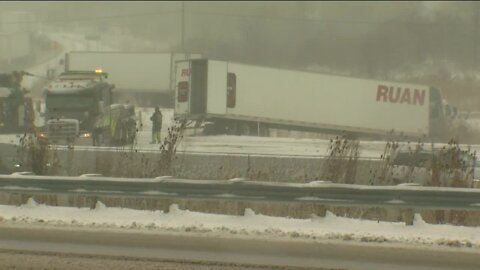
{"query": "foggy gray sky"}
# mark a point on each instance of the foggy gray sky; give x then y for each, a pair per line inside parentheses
(362, 37)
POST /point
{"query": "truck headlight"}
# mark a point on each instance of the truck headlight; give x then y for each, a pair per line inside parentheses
(85, 135)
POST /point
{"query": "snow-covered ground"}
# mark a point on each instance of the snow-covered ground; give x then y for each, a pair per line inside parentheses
(249, 225)
(230, 144)
(249, 144)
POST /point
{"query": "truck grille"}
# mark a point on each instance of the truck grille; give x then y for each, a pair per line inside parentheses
(62, 129)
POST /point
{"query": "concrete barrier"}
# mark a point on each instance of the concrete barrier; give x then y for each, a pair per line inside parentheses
(126, 163)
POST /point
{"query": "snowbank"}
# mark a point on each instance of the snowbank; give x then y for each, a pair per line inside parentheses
(248, 225)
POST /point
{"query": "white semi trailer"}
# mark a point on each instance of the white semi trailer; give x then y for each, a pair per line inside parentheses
(244, 99)
(146, 79)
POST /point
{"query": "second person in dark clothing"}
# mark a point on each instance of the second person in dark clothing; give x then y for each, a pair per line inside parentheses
(156, 119)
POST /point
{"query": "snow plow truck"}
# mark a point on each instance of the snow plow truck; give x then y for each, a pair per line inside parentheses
(80, 111)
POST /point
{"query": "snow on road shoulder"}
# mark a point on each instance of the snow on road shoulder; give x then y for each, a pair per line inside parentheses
(251, 224)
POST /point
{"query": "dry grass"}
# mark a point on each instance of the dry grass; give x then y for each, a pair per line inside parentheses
(449, 166)
(450, 169)
(341, 164)
(168, 149)
(132, 164)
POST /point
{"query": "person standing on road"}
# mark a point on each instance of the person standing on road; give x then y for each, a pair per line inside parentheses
(156, 119)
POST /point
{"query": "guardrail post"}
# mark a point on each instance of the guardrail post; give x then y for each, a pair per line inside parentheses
(321, 211)
(408, 215)
(91, 202)
(70, 161)
(248, 167)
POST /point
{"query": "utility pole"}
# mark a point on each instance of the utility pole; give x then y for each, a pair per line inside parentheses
(183, 26)
(475, 36)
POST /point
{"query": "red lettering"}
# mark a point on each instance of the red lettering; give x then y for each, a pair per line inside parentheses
(400, 95)
(406, 98)
(419, 97)
(397, 94)
(382, 92)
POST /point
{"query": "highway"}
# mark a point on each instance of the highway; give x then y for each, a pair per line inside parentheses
(232, 253)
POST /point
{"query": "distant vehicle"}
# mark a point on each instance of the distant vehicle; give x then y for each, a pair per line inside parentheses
(418, 167)
(79, 110)
(16, 106)
(243, 99)
(145, 79)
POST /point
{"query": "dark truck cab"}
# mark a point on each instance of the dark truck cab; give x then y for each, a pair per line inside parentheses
(75, 102)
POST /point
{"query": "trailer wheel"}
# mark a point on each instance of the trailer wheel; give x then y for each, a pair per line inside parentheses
(264, 131)
(232, 129)
(244, 129)
(209, 129)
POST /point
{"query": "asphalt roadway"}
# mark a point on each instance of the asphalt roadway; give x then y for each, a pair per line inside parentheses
(220, 253)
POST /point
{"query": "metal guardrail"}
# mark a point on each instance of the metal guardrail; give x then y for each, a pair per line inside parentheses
(141, 150)
(324, 193)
